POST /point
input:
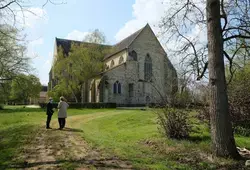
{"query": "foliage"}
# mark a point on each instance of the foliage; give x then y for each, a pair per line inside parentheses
(83, 62)
(96, 37)
(25, 86)
(239, 95)
(12, 54)
(182, 99)
(174, 123)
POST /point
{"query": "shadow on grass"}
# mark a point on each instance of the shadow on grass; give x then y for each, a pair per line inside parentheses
(11, 140)
(67, 129)
(198, 139)
(97, 163)
(22, 110)
(72, 129)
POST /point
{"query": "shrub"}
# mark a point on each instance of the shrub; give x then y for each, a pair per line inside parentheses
(1, 107)
(203, 114)
(174, 123)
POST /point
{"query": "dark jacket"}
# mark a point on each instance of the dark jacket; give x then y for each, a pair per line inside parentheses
(50, 109)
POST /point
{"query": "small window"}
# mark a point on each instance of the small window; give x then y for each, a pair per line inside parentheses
(131, 89)
(112, 63)
(133, 55)
(117, 87)
(121, 60)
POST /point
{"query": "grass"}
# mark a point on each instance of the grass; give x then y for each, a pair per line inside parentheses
(131, 135)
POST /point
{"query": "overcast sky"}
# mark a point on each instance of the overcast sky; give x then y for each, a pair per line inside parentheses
(74, 19)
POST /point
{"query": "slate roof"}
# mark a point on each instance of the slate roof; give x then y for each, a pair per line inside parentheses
(66, 44)
(124, 43)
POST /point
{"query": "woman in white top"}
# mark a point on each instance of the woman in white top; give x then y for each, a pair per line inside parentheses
(62, 112)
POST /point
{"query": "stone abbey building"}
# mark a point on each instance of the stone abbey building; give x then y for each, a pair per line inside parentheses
(137, 72)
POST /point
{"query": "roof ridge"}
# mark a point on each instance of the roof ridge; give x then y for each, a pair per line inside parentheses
(136, 32)
(64, 39)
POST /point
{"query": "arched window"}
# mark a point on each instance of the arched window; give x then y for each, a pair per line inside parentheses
(112, 63)
(121, 60)
(106, 66)
(148, 68)
(133, 55)
(114, 88)
(117, 88)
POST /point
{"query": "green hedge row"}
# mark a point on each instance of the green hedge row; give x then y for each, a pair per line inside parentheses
(84, 105)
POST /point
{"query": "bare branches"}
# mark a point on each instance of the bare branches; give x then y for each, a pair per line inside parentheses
(52, 2)
(184, 27)
(7, 5)
(237, 36)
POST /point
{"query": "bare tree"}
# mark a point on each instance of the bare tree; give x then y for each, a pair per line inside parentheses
(228, 31)
(13, 58)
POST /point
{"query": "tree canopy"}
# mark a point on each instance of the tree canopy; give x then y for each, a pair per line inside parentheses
(24, 87)
(82, 63)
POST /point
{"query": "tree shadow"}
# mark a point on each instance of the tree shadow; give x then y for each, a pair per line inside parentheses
(72, 129)
(97, 163)
(10, 141)
(22, 110)
(198, 139)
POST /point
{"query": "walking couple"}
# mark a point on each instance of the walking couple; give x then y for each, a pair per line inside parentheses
(62, 112)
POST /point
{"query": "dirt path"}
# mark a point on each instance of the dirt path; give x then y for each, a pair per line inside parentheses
(65, 149)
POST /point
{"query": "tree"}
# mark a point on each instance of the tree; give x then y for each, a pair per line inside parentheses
(83, 63)
(24, 87)
(221, 127)
(12, 54)
(96, 37)
(227, 25)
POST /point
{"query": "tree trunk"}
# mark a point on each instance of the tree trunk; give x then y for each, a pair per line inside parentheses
(221, 128)
(76, 100)
(82, 92)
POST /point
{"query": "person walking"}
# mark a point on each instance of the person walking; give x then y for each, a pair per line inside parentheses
(50, 112)
(62, 112)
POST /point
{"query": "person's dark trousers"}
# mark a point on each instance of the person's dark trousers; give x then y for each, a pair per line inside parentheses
(61, 122)
(48, 120)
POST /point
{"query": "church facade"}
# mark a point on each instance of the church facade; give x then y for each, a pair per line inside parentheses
(137, 72)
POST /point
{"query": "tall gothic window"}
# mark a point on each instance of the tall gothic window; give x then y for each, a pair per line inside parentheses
(148, 68)
(117, 88)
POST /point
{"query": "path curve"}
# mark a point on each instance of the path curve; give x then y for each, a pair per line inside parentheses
(64, 149)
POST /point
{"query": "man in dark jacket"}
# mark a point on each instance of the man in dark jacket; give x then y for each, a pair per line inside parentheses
(49, 113)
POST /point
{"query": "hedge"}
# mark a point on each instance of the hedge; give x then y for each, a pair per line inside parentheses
(84, 105)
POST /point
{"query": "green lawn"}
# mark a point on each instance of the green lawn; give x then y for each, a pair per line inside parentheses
(131, 135)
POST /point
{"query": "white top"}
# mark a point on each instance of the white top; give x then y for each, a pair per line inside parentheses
(62, 109)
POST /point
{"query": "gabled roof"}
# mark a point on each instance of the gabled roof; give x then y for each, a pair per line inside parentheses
(125, 43)
(66, 44)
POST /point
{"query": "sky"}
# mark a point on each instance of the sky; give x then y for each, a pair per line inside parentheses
(75, 18)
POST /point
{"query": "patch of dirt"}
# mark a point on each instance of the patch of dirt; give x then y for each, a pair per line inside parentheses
(64, 149)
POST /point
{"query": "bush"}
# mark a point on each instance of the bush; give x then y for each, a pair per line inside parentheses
(174, 123)
(203, 114)
(1, 107)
